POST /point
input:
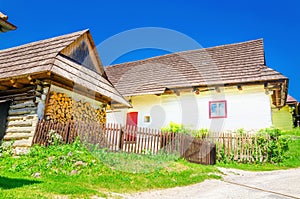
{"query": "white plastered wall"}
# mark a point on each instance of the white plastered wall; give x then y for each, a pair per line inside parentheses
(248, 108)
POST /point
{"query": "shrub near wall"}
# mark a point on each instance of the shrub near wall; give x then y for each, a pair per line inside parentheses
(267, 145)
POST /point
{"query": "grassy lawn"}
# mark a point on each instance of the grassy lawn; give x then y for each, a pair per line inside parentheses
(72, 171)
(292, 160)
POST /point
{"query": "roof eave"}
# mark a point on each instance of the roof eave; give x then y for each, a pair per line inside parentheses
(5, 26)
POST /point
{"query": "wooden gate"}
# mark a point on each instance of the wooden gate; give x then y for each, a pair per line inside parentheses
(198, 151)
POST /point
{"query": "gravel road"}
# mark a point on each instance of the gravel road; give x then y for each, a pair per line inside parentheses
(236, 184)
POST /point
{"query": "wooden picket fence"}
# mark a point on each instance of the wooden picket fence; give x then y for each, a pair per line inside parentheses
(129, 139)
(240, 147)
(235, 146)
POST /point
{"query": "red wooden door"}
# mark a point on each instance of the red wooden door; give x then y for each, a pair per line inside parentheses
(132, 118)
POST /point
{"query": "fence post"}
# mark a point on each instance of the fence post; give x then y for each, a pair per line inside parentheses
(121, 138)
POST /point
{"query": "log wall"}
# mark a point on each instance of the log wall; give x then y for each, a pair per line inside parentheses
(24, 111)
(37, 102)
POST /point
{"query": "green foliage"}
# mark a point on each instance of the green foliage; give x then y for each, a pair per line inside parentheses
(54, 138)
(81, 171)
(276, 144)
(267, 145)
(201, 133)
(6, 149)
(295, 132)
(292, 160)
(173, 127)
(55, 159)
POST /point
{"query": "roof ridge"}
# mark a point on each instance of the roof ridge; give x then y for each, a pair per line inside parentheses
(79, 33)
(185, 52)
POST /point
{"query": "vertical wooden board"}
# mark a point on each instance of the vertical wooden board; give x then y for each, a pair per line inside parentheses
(151, 141)
(147, 140)
(235, 146)
(126, 129)
(158, 138)
(130, 139)
(230, 144)
(138, 139)
(109, 134)
(117, 134)
(132, 145)
(144, 140)
(36, 136)
(111, 138)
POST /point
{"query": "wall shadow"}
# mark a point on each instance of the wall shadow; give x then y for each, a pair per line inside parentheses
(10, 183)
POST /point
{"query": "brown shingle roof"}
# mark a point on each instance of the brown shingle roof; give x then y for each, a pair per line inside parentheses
(228, 64)
(44, 56)
(29, 57)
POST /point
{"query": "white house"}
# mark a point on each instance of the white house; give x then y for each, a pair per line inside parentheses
(220, 88)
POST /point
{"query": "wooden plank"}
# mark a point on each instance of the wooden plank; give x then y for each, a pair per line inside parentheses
(24, 104)
(23, 111)
(83, 78)
(84, 70)
(25, 70)
(17, 136)
(21, 129)
(93, 86)
(19, 123)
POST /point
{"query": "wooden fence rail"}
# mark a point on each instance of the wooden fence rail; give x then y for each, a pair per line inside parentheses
(129, 139)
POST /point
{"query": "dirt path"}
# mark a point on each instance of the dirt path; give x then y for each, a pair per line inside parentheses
(236, 184)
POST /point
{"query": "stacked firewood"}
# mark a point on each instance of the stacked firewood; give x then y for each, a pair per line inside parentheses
(61, 108)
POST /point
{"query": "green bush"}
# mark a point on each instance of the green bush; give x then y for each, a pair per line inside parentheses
(276, 145)
(6, 149)
(201, 133)
(267, 145)
(173, 127)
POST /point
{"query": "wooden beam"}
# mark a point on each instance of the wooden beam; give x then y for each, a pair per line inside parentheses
(177, 92)
(12, 81)
(4, 88)
(239, 87)
(14, 91)
(29, 77)
(276, 98)
(18, 85)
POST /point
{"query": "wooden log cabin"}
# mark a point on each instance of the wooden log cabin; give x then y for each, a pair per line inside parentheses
(59, 79)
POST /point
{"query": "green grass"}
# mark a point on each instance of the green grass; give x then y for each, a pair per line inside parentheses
(292, 160)
(73, 171)
(293, 132)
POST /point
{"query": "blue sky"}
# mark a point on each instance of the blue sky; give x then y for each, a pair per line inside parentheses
(210, 23)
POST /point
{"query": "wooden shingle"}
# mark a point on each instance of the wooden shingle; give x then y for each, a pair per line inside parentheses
(228, 64)
(46, 59)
